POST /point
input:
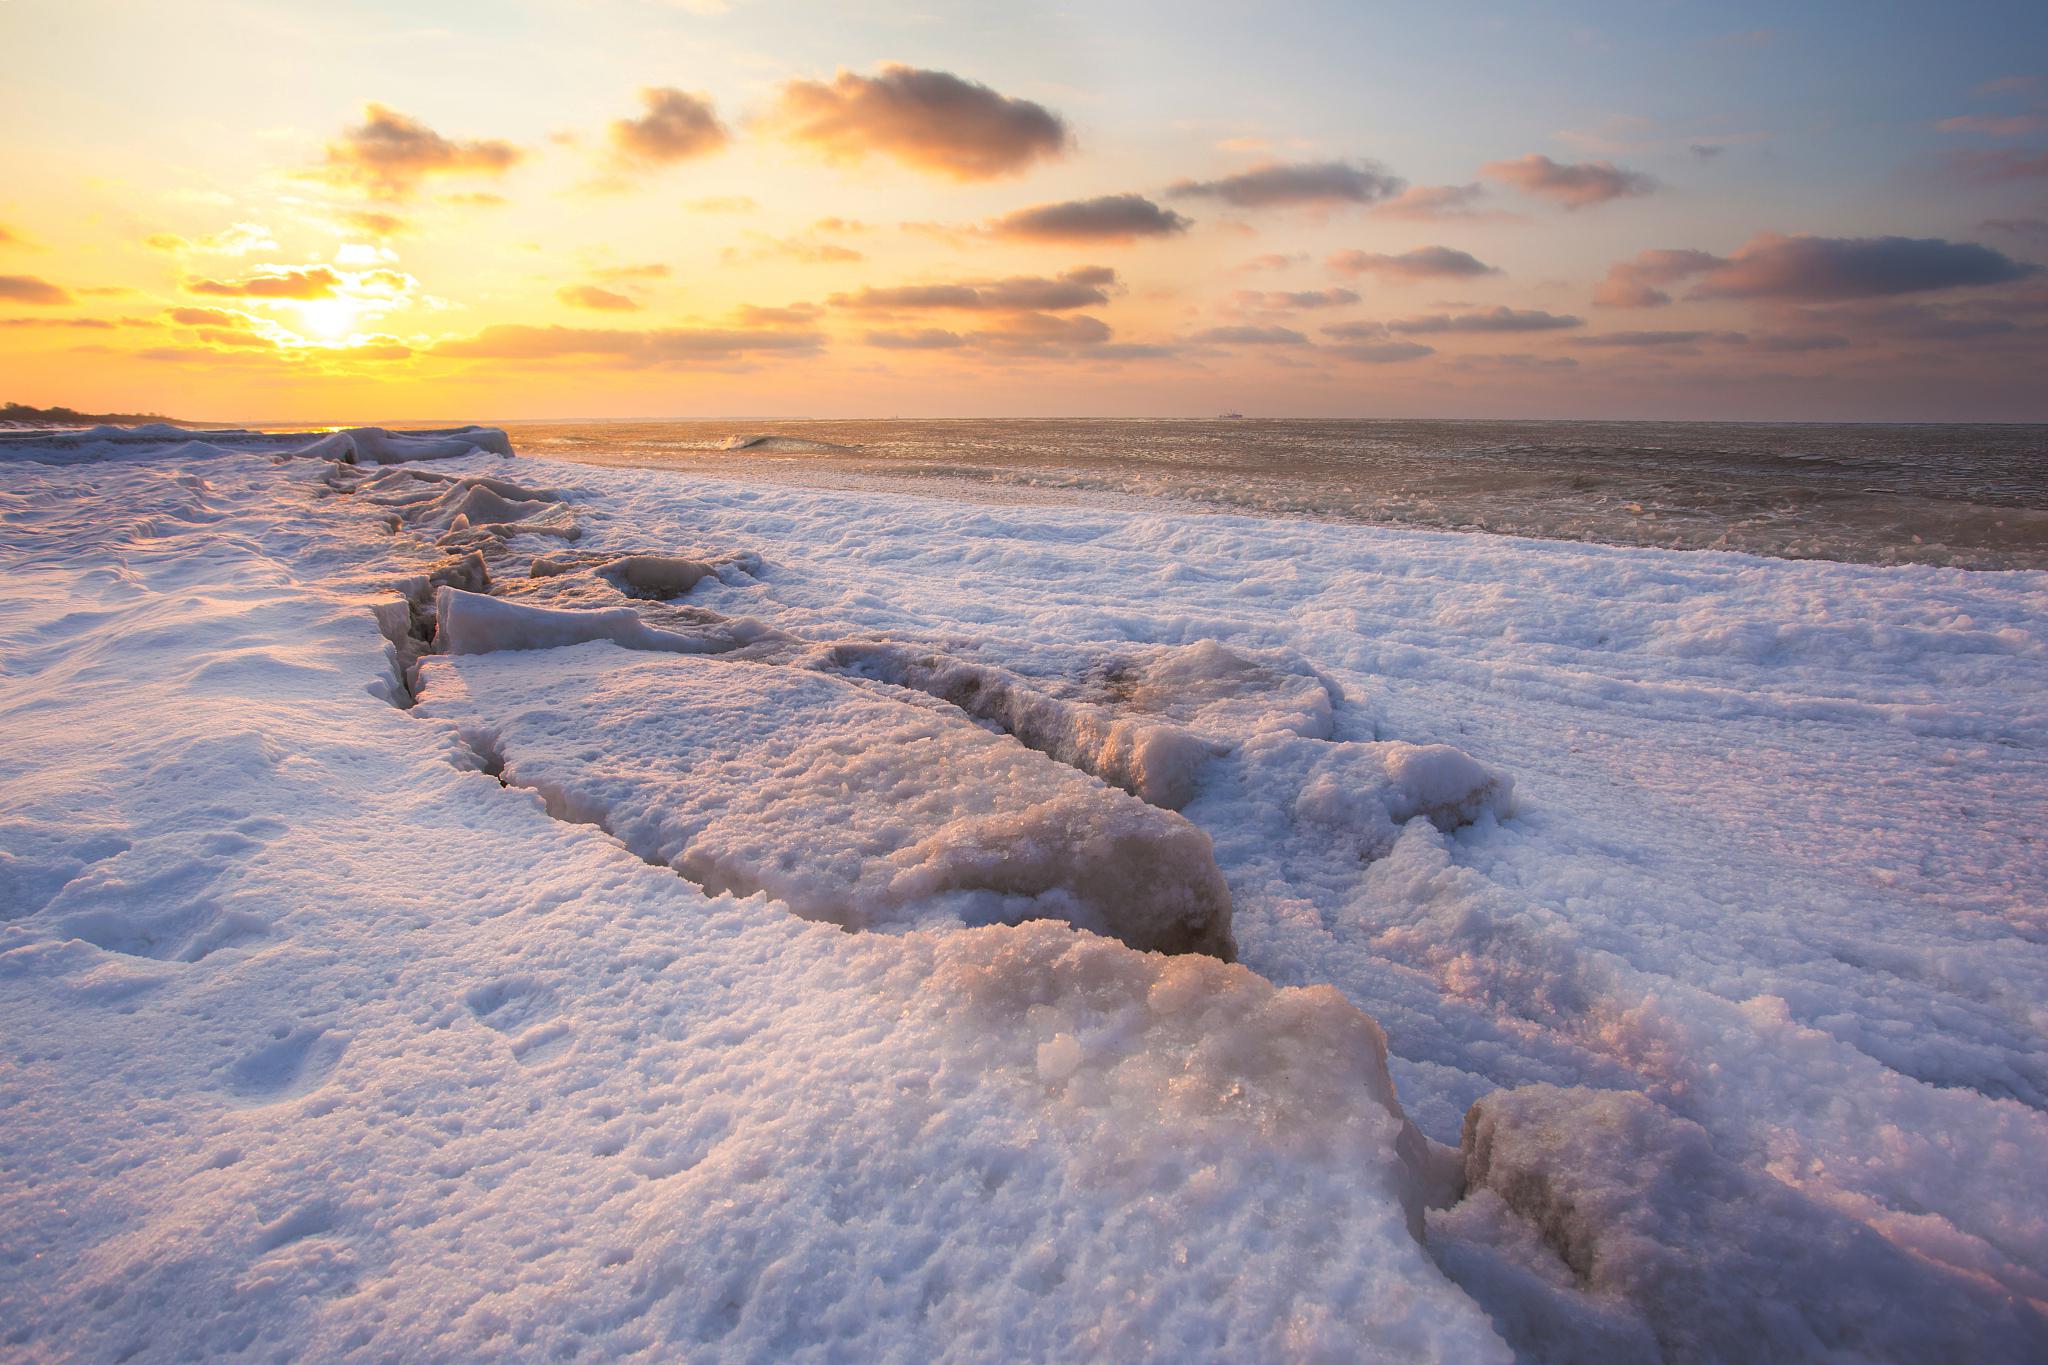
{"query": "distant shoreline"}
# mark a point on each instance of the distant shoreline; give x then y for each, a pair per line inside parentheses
(21, 414)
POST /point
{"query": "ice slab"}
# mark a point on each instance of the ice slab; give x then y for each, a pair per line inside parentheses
(848, 803)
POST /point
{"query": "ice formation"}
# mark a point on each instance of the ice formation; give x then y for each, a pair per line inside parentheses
(1599, 1222)
(319, 1041)
(841, 802)
(771, 442)
(1156, 762)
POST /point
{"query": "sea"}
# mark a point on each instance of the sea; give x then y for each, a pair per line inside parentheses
(1966, 496)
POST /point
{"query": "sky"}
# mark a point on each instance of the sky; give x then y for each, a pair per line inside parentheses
(507, 209)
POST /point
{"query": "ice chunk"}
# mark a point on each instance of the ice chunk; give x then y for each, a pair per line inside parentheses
(1153, 760)
(662, 577)
(1716, 1261)
(1221, 693)
(845, 802)
(375, 445)
(770, 442)
(471, 623)
(157, 440)
(1365, 792)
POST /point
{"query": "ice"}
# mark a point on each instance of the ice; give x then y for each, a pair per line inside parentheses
(459, 1080)
(472, 499)
(375, 445)
(1675, 1252)
(1156, 762)
(771, 442)
(1364, 793)
(354, 445)
(1712, 880)
(1221, 693)
(844, 803)
(472, 623)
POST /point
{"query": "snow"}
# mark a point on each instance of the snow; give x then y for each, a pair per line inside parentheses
(841, 803)
(1697, 898)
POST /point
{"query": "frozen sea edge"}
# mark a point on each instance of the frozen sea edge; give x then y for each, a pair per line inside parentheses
(337, 1027)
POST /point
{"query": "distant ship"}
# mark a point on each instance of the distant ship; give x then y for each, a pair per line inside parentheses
(1228, 416)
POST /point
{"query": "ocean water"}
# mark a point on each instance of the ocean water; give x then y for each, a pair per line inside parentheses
(1962, 495)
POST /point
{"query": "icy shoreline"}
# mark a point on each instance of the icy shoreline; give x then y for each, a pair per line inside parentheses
(300, 1003)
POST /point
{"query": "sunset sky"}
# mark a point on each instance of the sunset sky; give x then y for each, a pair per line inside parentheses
(501, 209)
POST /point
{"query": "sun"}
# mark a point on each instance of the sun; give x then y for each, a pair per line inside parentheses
(328, 319)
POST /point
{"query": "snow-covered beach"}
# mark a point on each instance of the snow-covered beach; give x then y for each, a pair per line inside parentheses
(1631, 953)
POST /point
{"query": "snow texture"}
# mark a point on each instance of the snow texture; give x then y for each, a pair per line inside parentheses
(842, 803)
(1696, 896)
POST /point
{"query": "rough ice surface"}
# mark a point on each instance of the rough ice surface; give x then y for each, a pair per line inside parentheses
(1159, 763)
(843, 803)
(355, 445)
(1650, 1241)
(1713, 881)
(1224, 694)
(471, 623)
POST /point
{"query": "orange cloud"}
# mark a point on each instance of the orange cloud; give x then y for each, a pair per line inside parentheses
(389, 154)
(1278, 184)
(652, 270)
(311, 282)
(206, 317)
(767, 248)
(722, 203)
(1280, 300)
(630, 349)
(1433, 203)
(376, 224)
(678, 126)
(1636, 283)
(1497, 319)
(235, 339)
(1244, 334)
(917, 339)
(1425, 262)
(928, 120)
(790, 315)
(1109, 218)
(1021, 334)
(237, 240)
(1575, 186)
(1037, 293)
(590, 296)
(29, 289)
(93, 324)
